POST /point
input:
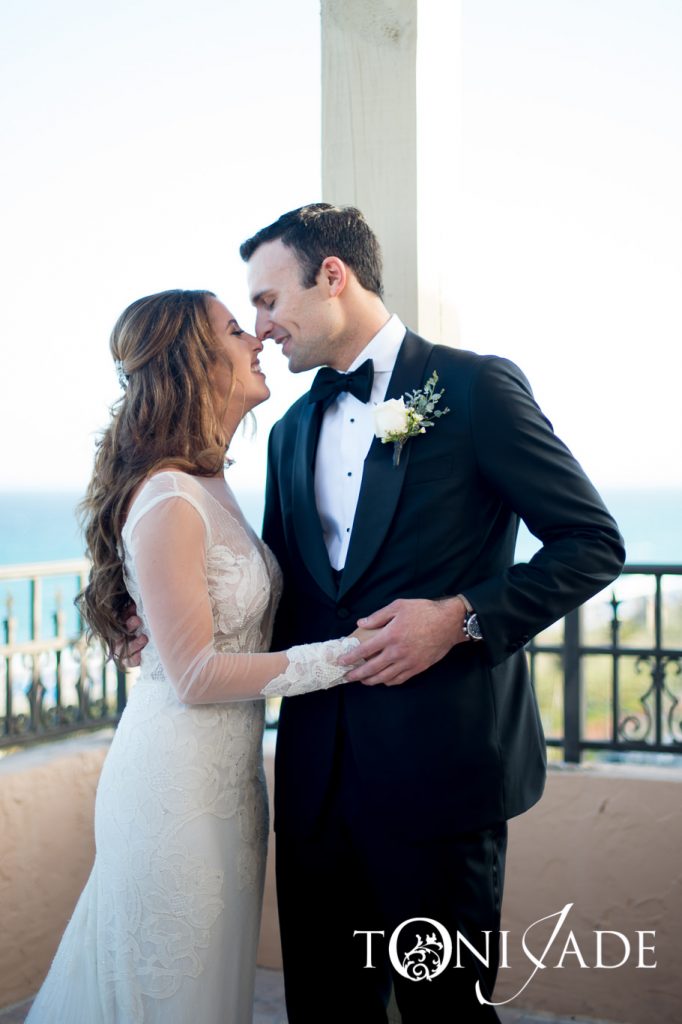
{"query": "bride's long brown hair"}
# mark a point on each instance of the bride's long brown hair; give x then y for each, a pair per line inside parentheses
(165, 351)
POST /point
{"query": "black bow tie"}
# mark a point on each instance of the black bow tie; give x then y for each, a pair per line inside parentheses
(329, 384)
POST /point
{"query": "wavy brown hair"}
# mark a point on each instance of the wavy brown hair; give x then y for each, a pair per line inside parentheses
(165, 351)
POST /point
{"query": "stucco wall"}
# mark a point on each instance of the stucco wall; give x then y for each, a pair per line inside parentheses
(608, 840)
(46, 852)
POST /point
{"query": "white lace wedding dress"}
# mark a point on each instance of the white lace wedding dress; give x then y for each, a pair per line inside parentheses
(167, 926)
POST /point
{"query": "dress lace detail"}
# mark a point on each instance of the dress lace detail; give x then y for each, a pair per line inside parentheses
(167, 926)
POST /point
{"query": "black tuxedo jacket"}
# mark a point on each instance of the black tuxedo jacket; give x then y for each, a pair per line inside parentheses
(461, 745)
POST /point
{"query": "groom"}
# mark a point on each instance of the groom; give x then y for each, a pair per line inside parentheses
(391, 799)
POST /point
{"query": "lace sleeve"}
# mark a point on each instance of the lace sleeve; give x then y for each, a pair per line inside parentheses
(166, 539)
(311, 667)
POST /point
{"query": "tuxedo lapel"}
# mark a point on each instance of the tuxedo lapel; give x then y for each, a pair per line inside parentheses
(382, 481)
(306, 518)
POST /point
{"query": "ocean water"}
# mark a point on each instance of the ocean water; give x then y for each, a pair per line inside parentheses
(41, 527)
(650, 520)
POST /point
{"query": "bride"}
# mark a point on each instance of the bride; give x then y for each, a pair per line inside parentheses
(166, 928)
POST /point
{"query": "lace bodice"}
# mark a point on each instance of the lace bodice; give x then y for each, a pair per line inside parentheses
(206, 590)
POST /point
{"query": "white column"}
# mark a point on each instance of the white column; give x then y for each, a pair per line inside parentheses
(391, 131)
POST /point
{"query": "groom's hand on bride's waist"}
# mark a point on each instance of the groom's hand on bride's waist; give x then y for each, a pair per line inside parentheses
(128, 649)
(411, 635)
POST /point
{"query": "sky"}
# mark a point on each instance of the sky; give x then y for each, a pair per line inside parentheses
(143, 141)
(573, 237)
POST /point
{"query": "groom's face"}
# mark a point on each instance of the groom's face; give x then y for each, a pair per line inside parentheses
(304, 321)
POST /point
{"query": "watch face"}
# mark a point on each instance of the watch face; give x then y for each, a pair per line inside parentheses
(473, 628)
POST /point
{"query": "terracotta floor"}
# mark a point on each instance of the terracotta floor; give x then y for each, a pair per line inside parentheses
(268, 1007)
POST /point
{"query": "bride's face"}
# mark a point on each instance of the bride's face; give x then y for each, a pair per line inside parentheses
(240, 378)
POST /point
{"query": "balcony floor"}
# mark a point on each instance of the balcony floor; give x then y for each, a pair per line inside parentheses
(268, 1007)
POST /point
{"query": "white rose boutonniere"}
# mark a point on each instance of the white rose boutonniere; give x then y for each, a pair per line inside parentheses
(390, 417)
(396, 421)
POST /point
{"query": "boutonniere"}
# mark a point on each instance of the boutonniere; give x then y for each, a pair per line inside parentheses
(398, 420)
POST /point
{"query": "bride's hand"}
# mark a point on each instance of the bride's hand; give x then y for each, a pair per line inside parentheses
(361, 635)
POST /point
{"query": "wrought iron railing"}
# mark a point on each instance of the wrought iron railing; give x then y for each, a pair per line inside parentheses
(53, 681)
(608, 677)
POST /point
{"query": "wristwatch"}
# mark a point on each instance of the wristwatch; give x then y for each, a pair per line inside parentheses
(472, 629)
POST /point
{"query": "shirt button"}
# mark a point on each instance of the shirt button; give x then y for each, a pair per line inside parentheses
(352, 419)
(350, 474)
(342, 613)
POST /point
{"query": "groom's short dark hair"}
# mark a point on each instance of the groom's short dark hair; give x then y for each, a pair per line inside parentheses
(320, 230)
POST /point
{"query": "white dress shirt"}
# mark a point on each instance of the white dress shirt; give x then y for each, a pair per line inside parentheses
(346, 434)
